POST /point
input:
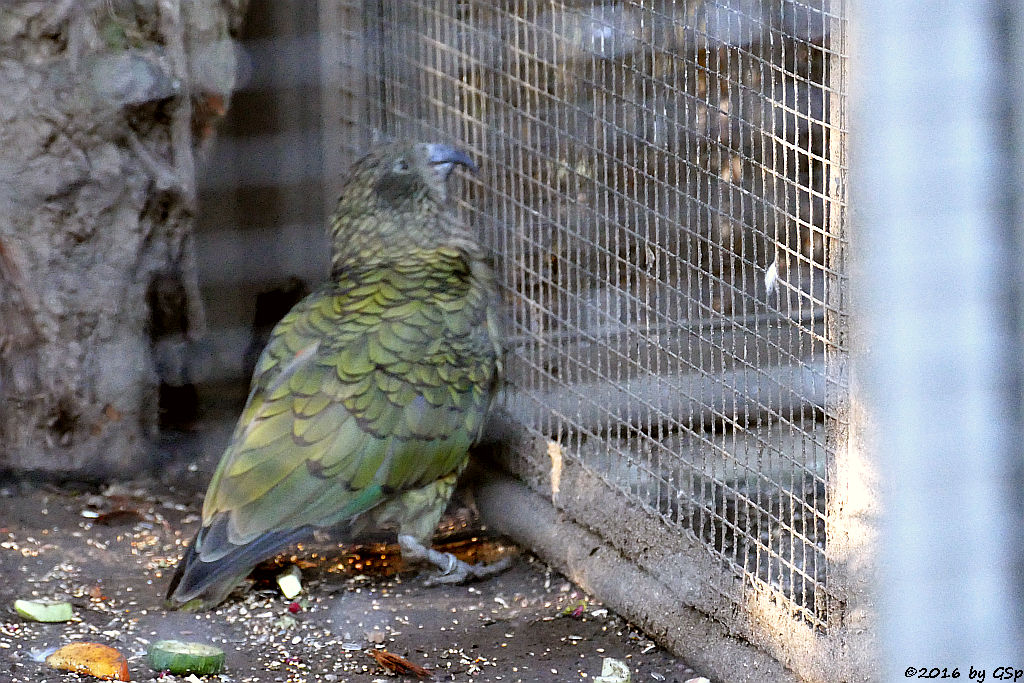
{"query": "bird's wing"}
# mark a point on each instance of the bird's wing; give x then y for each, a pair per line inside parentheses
(366, 389)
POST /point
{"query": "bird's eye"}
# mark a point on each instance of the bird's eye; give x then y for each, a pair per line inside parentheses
(401, 166)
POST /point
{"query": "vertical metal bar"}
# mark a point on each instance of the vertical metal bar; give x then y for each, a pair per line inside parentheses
(932, 262)
(344, 102)
(1010, 25)
(298, 109)
(380, 80)
(842, 478)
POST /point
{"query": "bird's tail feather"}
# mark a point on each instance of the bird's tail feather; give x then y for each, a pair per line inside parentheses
(202, 584)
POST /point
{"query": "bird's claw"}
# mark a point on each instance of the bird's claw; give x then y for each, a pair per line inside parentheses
(452, 569)
(461, 572)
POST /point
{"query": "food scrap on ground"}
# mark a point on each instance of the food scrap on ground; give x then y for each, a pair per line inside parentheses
(94, 659)
(182, 658)
(507, 629)
(46, 611)
(290, 582)
(614, 671)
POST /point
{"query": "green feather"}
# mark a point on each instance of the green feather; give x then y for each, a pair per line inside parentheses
(371, 390)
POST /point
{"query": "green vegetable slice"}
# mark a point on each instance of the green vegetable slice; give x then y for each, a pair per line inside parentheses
(49, 611)
(183, 658)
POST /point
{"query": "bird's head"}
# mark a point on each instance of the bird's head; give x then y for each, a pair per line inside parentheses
(395, 201)
(402, 175)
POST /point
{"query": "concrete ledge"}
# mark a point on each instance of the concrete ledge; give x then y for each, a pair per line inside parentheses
(531, 520)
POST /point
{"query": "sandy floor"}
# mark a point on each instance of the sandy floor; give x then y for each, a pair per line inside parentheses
(111, 553)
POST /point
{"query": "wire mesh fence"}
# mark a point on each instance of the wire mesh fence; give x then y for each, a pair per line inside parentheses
(662, 185)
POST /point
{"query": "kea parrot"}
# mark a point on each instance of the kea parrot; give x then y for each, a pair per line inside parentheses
(371, 390)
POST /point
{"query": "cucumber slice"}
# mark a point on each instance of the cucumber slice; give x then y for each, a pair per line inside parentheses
(49, 611)
(183, 658)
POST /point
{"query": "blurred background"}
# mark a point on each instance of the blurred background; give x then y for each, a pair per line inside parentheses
(763, 291)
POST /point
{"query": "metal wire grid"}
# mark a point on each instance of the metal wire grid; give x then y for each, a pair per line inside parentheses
(644, 164)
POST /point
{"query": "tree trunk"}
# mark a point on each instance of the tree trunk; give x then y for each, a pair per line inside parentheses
(104, 105)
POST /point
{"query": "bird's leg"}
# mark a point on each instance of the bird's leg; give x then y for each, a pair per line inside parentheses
(452, 569)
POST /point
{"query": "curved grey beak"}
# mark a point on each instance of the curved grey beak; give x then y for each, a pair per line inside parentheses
(444, 157)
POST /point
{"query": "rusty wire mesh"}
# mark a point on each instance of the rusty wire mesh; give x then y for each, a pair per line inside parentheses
(643, 164)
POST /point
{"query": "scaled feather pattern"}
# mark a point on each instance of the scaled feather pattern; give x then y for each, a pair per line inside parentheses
(371, 390)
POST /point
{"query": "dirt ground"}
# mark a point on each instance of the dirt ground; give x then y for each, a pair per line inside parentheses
(111, 553)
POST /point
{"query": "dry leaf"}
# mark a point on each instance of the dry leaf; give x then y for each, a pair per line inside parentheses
(119, 516)
(93, 659)
(398, 665)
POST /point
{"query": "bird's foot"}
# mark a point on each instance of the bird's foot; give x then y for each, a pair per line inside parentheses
(452, 569)
(461, 572)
